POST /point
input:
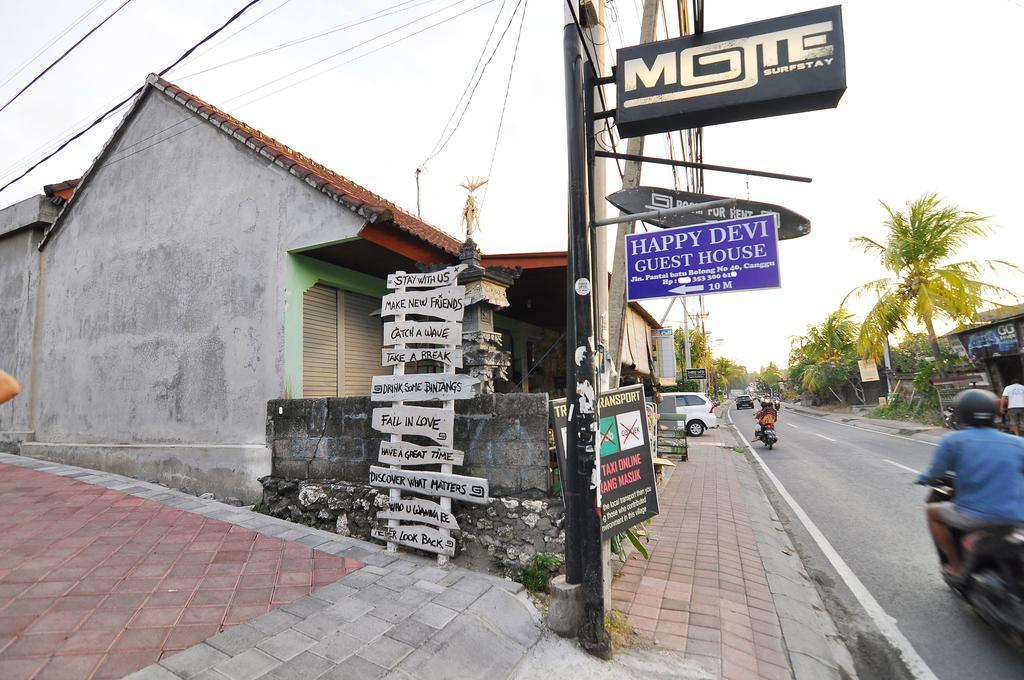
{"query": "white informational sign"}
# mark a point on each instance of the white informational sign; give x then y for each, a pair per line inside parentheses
(422, 387)
(868, 370)
(445, 277)
(423, 333)
(404, 453)
(419, 510)
(397, 356)
(434, 423)
(664, 343)
(417, 536)
(442, 303)
(470, 489)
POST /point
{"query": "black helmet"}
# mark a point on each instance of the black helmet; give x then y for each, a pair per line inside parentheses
(976, 408)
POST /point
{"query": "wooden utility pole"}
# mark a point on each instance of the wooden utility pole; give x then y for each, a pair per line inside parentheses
(630, 180)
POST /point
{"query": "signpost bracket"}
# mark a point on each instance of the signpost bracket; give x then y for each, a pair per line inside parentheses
(704, 166)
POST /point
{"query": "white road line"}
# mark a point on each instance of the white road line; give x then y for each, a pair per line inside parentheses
(864, 429)
(886, 624)
(823, 436)
(908, 469)
(795, 427)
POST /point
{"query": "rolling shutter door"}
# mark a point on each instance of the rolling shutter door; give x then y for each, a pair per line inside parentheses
(320, 342)
(361, 344)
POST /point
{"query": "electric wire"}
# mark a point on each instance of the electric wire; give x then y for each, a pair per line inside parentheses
(112, 110)
(469, 83)
(66, 53)
(504, 104)
(229, 36)
(50, 43)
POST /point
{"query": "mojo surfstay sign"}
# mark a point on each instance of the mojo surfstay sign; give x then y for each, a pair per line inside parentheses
(766, 68)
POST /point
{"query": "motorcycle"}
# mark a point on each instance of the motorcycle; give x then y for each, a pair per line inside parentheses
(949, 419)
(766, 435)
(992, 580)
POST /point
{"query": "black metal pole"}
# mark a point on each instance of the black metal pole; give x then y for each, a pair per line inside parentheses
(583, 529)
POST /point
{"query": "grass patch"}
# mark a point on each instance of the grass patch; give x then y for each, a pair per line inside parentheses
(536, 576)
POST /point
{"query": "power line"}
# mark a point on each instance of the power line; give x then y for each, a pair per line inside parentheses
(23, 65)
(124, 101)
(232, 35)
(66, 53)
(469, 83)
(504, 103)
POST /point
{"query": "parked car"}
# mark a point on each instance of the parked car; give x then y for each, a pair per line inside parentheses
(744, 401)
(698, 408)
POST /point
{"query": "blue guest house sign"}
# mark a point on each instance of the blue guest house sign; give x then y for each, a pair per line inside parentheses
(717, 257)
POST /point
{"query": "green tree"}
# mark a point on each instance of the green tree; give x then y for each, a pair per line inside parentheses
(925, 285)
(728, 374)
(700, 349)
(824, 359)
(769, 377)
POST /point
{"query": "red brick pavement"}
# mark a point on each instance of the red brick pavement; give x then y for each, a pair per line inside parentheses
(96, 583)
(704, 591)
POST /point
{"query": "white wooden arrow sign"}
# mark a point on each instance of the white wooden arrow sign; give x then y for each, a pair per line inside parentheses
(448, 303)
(423, 332)
(435, 423)
(419, 510)
(445, 277)
(417, 536)
(404, 453)
(445, 355)
(470, 489)
(685, 290)
(422, 387)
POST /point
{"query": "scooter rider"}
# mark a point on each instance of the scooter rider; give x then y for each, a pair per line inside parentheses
(989, 469)
(766, 416)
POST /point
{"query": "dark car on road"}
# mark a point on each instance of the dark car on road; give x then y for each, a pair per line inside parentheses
(744, 401)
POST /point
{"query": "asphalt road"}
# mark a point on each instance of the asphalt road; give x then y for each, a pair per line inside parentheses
(856, 486)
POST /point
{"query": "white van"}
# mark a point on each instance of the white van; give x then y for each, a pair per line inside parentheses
(698, 408)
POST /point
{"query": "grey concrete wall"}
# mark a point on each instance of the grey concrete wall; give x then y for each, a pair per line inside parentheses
(19, 273)
(163, 305)
(504, 437)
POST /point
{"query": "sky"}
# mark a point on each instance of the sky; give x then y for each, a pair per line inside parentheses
(933, 105)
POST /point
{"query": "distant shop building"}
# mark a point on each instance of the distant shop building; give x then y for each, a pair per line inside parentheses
(994, 345)
(199, 269)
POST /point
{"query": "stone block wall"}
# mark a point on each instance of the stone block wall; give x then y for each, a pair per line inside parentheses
(500, 537)
(504, 436)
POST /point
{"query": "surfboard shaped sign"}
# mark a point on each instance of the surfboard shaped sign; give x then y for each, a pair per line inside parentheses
(419, 510)
(434, 423)
(417, 536)
(422, 387)
(448, 303)
(460, 487)
(444, 277)
(404, 453)
(398, 356)
(423, 333)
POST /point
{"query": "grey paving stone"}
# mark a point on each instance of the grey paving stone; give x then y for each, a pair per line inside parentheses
(455, 599)
(434, 615)
(335, 547)
(366, 627)
(335, 592)
(350, 608)
(292, 535)
(511, 586)
(379, 559)
(357, 552)
(509, 615)
(393, 612)
(405, 566)
(417, 595)
(248, 665)
(412, 632)
(305, 666)
(210, 675)
(193, 660)
(355, 668)
(811, 668)
(152, 673)
(385, 651)
(314, 540)
(377, 570)
(323, 623)
(452, 577)
(360, 578)
(478, 652)
(275, 621)
(286, 644)
(275, 531)
(395, 581)
(375, 594)
(238, 639)
(432, 574)
(337, 646)
(305, 606)
(473, 584)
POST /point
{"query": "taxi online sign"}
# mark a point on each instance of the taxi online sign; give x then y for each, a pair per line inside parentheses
(716, 257)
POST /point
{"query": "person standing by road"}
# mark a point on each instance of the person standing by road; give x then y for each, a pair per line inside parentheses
(9, 387)
(1012, 406)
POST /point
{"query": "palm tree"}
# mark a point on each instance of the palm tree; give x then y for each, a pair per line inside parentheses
(925, 285)
(819, 357)
(727, 372)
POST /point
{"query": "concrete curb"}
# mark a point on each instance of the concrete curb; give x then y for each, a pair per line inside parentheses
(815, 648)
(398, 615)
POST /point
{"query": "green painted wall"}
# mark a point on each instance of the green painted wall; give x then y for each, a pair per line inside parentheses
(302, 273)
